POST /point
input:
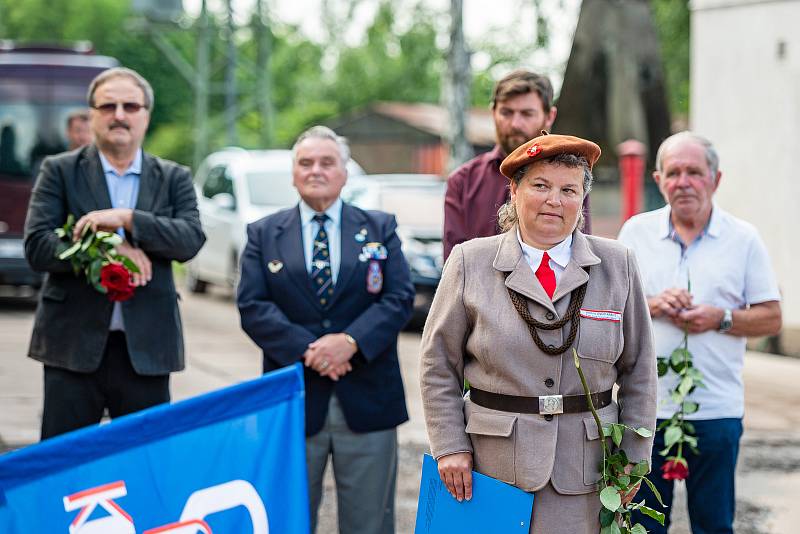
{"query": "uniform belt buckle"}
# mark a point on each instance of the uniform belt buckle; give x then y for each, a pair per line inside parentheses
(551, 404)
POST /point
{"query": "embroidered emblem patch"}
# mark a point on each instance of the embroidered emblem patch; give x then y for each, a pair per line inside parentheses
(601, 315)
(375, 251)
(374, 277)
(533, 151)
(274, 266)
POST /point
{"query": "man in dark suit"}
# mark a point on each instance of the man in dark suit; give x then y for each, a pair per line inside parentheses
(97, 354)
(325, 283)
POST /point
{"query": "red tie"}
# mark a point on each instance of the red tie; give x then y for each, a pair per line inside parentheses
(546, 276)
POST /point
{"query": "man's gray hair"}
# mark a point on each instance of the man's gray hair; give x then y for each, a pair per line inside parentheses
(323, 132)
(122, 72)
(507, 214)
(687, 136)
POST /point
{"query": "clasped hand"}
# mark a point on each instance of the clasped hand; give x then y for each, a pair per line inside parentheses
(330, 356)
(675, 304)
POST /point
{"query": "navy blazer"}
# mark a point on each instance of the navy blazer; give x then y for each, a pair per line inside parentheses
(72, 318)
(282, 316)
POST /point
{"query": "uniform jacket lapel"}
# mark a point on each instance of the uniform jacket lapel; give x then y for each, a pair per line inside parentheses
(574, 275)
(352, 223)
(92, 172)
(521, 279)
(290, 247)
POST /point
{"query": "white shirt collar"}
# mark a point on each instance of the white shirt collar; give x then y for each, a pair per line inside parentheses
(560, 253)
(334, 212)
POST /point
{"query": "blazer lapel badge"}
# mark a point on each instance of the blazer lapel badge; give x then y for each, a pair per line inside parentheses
(274, 266)
(374, 252)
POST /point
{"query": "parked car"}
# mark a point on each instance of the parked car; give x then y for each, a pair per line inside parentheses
(234, 188)
(417, 200)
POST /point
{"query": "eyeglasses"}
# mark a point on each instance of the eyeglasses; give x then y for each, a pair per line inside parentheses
(111, 107)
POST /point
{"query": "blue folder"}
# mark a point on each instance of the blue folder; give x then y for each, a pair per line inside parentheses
(495, 506)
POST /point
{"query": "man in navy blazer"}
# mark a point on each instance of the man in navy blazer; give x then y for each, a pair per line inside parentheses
(326, 283)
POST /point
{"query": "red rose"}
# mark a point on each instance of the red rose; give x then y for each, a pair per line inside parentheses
(675, 469)
(117, 281)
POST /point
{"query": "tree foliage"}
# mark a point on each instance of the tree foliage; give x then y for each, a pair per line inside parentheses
(400, 58)
(672, 19)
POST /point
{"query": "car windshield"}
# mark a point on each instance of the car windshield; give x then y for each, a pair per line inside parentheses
(32, 121)
(414, 205)
(271, 189)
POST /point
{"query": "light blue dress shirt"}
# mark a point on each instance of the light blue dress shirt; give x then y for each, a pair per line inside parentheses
(123, 190)
(334, 228)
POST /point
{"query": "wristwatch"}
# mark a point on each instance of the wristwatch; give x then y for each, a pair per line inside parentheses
(350, 339)
(727, 321)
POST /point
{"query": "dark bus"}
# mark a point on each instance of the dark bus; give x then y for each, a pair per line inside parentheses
(39, 87)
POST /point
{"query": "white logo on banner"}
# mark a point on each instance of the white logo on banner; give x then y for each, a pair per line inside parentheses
(200, 504)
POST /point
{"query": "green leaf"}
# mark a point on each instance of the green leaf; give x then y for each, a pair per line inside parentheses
(644, 432)
(607, 430)
(70, 251)
(677, 398)
(678, 356)
(640, 469)
(655, 514)
(610, 498)
(672, 435)
(663, 366)
(616, 434)
(688, 428)
(94, 272)
(638, 529)
(690, 407)
(687, 382)
(654, 490)
(61, 233)
(606, 517)
(691, 440)
(126, 261)
(624, 480)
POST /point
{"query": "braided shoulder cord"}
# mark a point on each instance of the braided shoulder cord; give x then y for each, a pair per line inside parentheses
(573, 312)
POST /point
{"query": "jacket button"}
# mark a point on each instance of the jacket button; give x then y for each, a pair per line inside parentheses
(549, 382)
(548, 417)
(326, 323)
(549, 316)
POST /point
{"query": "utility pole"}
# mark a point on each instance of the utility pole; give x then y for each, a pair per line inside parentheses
(201, 88)
(263, 77)
(457, 87)
(231, 111)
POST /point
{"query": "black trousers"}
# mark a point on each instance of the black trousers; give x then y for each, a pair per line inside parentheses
(75, 400)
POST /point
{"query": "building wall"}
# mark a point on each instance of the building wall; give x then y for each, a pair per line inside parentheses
(746, 98)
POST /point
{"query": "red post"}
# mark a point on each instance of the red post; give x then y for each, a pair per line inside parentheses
(631, 173)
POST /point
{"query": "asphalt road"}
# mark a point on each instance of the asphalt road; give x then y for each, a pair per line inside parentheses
(219, 354)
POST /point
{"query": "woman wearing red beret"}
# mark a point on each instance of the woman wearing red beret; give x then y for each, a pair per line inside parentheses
(507, 314)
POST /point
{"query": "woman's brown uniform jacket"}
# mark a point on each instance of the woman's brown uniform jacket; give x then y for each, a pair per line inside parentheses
(473, 331)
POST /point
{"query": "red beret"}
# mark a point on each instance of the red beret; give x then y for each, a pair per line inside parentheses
(548, 145)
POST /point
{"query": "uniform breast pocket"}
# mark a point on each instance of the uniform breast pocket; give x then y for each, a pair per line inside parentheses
(493, 437)
(600, 335)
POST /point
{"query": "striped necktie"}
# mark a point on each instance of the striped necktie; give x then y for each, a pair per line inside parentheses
(321, 279)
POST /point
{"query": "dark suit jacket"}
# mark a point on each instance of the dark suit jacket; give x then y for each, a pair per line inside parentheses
(72, 318)
(281, 314)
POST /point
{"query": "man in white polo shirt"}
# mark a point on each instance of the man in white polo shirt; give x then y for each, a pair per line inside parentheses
(733, 295)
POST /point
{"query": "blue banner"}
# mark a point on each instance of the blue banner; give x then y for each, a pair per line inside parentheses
(228, 462)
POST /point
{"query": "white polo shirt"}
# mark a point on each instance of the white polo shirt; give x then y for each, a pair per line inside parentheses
(729, 268)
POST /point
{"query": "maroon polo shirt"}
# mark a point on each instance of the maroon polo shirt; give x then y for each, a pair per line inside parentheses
(475, 191)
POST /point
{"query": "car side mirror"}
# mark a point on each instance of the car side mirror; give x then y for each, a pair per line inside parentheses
(224, 201)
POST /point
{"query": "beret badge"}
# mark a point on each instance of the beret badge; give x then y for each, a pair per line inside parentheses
(533, 151)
